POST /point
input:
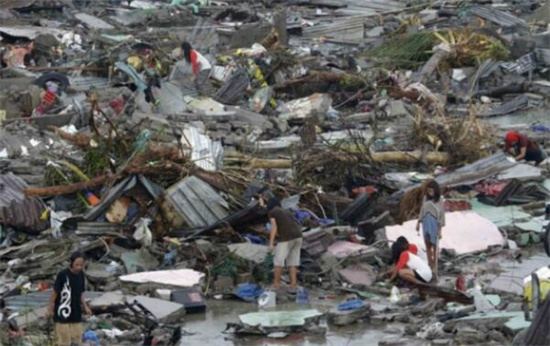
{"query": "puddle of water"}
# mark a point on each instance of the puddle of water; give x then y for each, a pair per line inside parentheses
(208, 327)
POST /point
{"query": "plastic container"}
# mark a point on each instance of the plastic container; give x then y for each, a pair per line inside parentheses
(302, 297)
(395, 295)
(267, 300)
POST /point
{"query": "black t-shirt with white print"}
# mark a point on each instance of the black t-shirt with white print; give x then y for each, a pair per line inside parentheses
(69, 288)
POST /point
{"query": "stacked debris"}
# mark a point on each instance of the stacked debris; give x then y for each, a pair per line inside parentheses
(115, 142)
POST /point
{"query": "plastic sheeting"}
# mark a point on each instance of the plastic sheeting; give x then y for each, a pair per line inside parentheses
(465, 232)
(179, 277)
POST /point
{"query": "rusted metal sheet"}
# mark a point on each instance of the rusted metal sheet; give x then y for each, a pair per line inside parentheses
(16, 210)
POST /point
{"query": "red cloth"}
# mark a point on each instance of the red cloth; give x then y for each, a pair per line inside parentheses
(403, 259)
(490, 188)
(369, 190)
(49, 98)
(413, 249)
(195, 61)
(451, 206)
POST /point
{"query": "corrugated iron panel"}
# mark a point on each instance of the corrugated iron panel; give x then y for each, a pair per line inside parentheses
(118, 190)
(11, 189)
(479, 170)
(18, 211)
(501, 18)
(197, 202)
(205, 153)
(11, 4)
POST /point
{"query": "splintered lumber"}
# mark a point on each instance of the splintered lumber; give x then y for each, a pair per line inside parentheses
(410, 157)
(66, 189)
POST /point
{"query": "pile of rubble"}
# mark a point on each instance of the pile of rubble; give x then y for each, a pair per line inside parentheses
(341, 109)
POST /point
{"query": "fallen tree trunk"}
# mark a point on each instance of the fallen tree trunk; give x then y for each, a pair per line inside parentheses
(410, 157)
(66, 189)
(433, 63)
(499, 91)
(316, 77)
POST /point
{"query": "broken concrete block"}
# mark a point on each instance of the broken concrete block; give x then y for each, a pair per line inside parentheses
(375, 32)
(315, 105)
(252, 252)
(164, 311)
(108, 301)
(429, 306)
(344, 318)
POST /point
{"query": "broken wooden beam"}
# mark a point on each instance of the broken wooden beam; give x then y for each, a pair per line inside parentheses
(66, 189)
(409, 157)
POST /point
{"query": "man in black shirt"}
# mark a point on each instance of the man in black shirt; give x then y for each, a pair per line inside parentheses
(67, 301)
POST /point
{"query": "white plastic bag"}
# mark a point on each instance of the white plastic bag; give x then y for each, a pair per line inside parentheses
(143, 233)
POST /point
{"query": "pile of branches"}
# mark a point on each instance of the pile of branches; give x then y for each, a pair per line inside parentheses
(464, 139)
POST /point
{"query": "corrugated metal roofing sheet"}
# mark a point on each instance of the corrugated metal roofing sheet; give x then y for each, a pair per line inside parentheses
(18, 211)
(501, 18)
(471, 174)
(197, 202)
(11, 189)
(118, 190)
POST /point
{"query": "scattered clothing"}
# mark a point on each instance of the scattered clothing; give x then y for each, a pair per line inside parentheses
(451, 206)
(248, 292)
(352, 304)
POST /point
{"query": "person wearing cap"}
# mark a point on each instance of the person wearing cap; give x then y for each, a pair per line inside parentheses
(67, 302)
(523, 148)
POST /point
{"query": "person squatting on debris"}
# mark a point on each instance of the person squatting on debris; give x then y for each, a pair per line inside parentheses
(523, 148)
(288, 232)
(407, 265)
(196, 63)
(67, 302)
(432, 219)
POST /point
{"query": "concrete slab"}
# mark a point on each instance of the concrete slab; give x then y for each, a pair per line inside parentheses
(465, 232)
(109, 300)
(501, 216)
(342, 249)
(279, 318)
(359, 274)
(164, 311)
(253, 252)
(139, 261)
